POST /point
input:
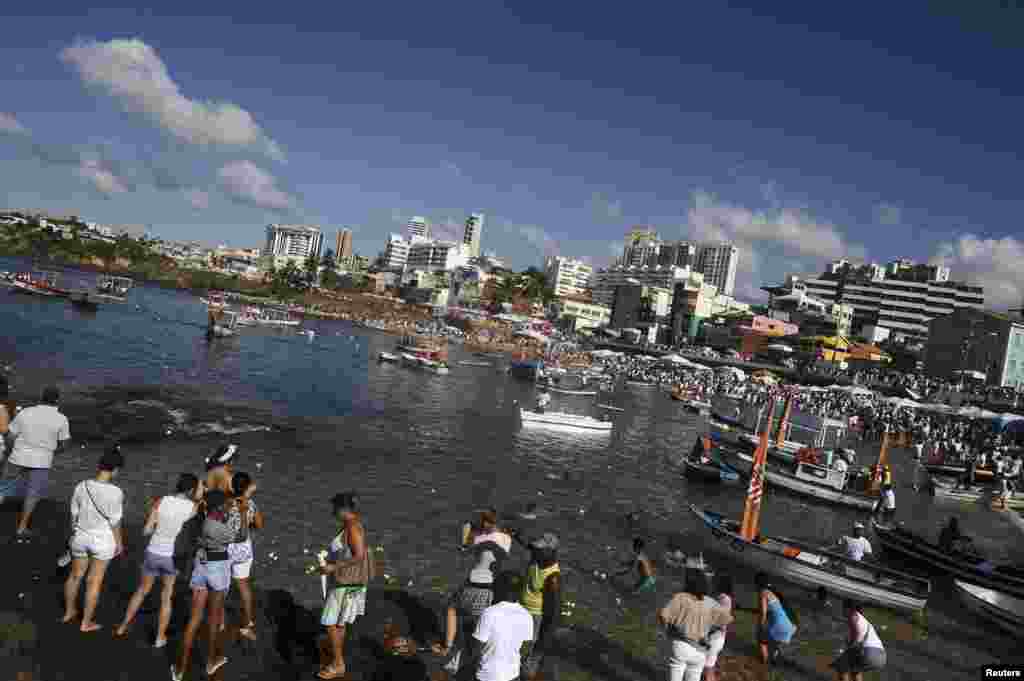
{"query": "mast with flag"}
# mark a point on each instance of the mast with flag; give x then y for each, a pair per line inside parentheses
(780, 439)
(752, 509)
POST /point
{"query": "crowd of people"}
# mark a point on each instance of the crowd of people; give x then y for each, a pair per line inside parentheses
(487, 619)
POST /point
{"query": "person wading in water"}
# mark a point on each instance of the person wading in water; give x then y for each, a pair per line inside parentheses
(542, 598)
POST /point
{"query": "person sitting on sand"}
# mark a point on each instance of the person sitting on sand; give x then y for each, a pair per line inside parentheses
(644, 568)
(97, 506)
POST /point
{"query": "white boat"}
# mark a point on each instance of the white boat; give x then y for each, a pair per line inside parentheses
(474, 363)
(388, 357)
(425, 364)
(107, 290)
(256, 316)
(810, 480)
(610, 407)
(45, 284)
(813, 568)
(554, 418)
(1004, 610)
(585, 393)
(223, 326)
(975, 495)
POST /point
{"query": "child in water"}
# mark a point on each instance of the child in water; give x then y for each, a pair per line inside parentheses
(644, 568)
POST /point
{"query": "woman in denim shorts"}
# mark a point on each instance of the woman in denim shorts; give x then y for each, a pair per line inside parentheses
(163, 524)
(211, 578)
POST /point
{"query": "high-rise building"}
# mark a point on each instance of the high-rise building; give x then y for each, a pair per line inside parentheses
(293, 242)
(437, 256)
(418, 228)
(718, 263)
(343, 245)
(471, 237)
(640, 247)
(567, 276)
(900, 302)
(396, 253)
(610, 278)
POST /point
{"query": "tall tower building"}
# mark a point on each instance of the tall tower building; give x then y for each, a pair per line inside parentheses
(471, 237)
(718, 263)
(641, 247)
(343, 245)
(418, 228)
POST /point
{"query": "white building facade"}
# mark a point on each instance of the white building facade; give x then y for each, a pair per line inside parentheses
(567, 276)
(293, 242)
(437, 256)
(417, 228)
(607, 280)
(395, 254)
(718, 262)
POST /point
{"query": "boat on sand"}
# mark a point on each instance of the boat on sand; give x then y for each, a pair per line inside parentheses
(1003, 610)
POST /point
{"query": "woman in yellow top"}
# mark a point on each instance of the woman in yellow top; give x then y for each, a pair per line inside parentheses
(542, 598)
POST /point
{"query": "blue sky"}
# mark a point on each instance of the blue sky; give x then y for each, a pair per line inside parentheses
(822, 131)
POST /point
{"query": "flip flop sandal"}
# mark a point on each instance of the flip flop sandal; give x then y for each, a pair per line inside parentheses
(213, 669)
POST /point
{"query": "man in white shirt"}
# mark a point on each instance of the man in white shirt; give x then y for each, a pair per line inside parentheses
(858, 545)
(38, 433)
(501, 632)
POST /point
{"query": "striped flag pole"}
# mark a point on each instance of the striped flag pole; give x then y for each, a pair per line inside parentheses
(752, 509)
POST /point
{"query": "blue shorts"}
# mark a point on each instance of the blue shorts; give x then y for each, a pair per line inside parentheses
(213, 576)
(24, 483)
(158, 566)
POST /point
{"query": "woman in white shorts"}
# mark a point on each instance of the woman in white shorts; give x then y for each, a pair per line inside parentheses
(244, 518)
(164, 522)
(97, 506)
(716, 639)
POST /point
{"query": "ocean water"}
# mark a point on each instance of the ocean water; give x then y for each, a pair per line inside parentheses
(315, 417)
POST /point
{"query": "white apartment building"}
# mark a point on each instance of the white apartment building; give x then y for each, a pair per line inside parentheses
(293, 242)
(902, 305)
(396, 253)
(417, 228)
(606, 280)
(584, 315)
(718, 263)
(437, 256)
(567, 276)
(471, 236)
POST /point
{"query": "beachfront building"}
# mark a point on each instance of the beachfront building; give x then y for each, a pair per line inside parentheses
(746, 333)
(567, 276)
(643, 308)
(577, 312)
(395, 254)
(718, 262)
(899, 296)
(605, 281)
(293, 243)
(435, 256)
(815, 317)
(986, 346)
(417, 228)
(693, 302)
(471, 235)
(343, 245)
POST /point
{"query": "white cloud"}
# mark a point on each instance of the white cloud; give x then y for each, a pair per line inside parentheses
(197, 198)
(888, 214)
(603, 208)
(245, 182)
(131, 72)
(100, 177)
(9, 124)
(800, 237)
(993, 263)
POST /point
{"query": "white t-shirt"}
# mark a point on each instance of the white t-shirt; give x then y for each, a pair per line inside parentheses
(174, 512)
(871, 640)
(37, 431)
(502, 629)
(856, 547)
(87, 515)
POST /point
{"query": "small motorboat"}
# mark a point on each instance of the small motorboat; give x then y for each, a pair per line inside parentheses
(818, 482)
(388, 357)
(474, 363)
(583, 393)
(610, 407)
(710, 471)
(555, 418)
(1004, 610)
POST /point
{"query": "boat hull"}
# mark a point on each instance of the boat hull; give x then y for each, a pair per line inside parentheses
(1003, 610)
(807, 488)
(388, 357)
(564, 420)
(720, 472)
(816, 570)
(967, 568)
(581, 393)
(29, 289)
